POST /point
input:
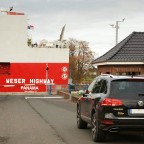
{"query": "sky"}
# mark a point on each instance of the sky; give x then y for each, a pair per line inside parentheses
(86, 20)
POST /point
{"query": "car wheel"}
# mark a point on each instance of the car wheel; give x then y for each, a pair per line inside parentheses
(80, 123)
(98, 135)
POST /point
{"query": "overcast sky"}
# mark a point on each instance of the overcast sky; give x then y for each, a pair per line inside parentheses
(87, 20)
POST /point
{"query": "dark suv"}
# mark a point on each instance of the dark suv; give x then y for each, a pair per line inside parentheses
(112, 104)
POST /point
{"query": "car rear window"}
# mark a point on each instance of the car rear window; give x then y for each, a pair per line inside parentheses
(127, 88)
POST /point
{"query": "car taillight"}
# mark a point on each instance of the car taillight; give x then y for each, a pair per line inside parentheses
(111, 102)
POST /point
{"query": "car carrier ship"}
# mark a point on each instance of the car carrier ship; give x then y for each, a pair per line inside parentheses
(29, 69)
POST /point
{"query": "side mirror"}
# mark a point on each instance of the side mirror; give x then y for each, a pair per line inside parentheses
(81, 92)
(86, 93)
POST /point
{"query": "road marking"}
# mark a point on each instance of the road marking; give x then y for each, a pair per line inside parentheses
(58, 97)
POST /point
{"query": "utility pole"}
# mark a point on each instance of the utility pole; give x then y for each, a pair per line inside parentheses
(116, 26)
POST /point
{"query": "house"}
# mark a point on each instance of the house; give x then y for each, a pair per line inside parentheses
(126, 58)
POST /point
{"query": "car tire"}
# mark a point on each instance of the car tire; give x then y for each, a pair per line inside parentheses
(80, 123)
(98, 135)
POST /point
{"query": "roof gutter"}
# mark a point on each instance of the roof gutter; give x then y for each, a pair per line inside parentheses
(118, 63)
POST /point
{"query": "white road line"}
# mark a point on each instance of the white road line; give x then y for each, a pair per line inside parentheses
(59, 97)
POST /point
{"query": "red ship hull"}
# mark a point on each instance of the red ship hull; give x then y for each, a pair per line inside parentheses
(27, 77)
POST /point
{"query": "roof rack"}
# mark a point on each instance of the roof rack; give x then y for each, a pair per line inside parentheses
(113, 76)
(140, 75)
(110, 75)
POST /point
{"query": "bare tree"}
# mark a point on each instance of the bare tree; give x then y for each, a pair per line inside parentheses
(80, 59)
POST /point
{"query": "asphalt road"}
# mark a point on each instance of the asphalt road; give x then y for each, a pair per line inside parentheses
(47, 121)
